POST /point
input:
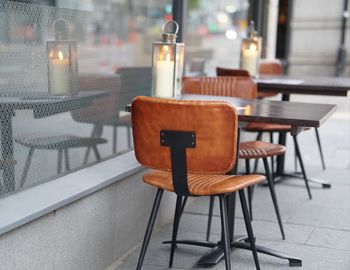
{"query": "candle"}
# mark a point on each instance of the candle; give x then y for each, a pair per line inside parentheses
(59, 75)
(249, 61)
(165, 77)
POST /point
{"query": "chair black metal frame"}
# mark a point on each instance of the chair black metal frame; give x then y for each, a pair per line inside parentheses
(178, 141)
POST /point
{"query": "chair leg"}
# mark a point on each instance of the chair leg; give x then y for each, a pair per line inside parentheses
(273, 169)
(97, 154)
(295, 159)
(297, 150)
(114, 147)
(59, 161)
(210, 216)
(256, 162)
(320, 148)
(271, 137)
(249, 189)
(225, 232)
(273, 196)
(96, 132)
(183, 206)
(150, 226)
(177, 216)
(129, 136)
(249, 228)
(66, 158)
(26, 167)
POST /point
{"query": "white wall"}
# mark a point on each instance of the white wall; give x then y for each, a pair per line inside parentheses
(90, 233)
(315, 37)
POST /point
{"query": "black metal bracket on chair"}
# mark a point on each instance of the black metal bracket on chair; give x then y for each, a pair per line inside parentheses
(178, 141)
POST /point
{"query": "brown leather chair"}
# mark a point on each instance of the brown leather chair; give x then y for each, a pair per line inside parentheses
(266, 67)
(190, 146)
(220, 71)
(242, 87)
(269, 67)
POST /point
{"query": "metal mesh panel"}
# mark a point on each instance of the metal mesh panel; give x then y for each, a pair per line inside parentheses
(62, 108)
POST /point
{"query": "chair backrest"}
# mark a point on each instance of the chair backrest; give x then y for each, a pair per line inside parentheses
(270, 67)
(136, 81)
(102, 110)
(214, 125)
(242, 87)
(197, 65)
(231, 72)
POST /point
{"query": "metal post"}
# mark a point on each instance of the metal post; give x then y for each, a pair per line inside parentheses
(255, 13)
(341, 58)
(179, 9)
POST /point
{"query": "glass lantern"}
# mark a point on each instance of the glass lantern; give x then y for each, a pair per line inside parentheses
(167, 64)
(62, 62)
(251, 52)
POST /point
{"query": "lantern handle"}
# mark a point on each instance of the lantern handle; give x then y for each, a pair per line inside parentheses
(61, 28)
(169, 22)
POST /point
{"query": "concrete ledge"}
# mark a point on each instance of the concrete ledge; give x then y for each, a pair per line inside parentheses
(23, 207)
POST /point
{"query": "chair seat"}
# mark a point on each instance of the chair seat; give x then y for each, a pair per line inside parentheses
(260, 149)
(204, 184)
(267, 127)
(60, 142)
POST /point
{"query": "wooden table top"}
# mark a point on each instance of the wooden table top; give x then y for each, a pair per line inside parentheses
(296, 114)
(332, 86)
(276, 112)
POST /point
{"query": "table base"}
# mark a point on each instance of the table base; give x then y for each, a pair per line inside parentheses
(299, 175)
(213, 256)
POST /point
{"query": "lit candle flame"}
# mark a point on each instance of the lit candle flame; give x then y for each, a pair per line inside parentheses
(252, 47)
(60, 55)
(167, 58)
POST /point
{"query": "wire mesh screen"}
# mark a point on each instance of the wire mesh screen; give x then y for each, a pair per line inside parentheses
(65, 78)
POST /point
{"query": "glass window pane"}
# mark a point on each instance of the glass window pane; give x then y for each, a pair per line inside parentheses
(68, 68)
(213, 33)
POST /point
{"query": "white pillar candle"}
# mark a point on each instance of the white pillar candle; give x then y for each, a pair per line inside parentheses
(59, 75)
(165, 77)
(249, 60)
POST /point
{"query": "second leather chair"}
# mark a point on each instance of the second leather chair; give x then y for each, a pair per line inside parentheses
(242, 87)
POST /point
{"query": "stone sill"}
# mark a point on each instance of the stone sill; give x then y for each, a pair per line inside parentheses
(28, 205)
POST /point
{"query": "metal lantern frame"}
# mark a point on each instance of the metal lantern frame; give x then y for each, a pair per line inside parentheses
(167, 64)
(251, 49)
(62, 57)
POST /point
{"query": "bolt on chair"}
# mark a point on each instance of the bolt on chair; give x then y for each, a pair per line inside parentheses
(243, 87)
(190, 147)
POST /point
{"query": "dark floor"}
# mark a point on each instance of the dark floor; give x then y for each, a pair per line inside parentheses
(317, 230)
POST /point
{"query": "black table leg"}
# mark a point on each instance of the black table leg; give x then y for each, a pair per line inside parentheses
(7, 150)
(282, 140)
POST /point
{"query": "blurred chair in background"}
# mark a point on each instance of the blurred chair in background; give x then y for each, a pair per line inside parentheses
(102, 111)
(135, 81)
